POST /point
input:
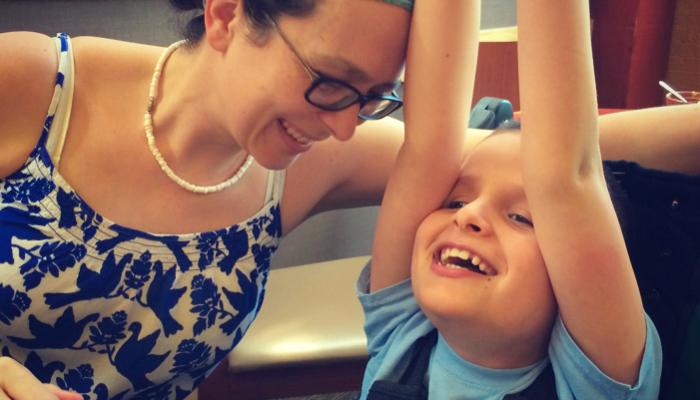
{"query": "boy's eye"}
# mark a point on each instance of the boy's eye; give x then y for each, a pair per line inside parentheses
(520, 219)
(455, 204)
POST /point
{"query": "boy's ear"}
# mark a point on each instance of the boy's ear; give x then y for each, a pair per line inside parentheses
(220, 18)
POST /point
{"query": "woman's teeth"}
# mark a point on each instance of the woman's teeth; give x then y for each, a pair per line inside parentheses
(457, 258)
(294, 134)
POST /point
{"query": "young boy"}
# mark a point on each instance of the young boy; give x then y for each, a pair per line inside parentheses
(524, 264)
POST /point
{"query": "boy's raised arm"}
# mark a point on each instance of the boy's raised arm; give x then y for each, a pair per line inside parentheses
(441, 64)
(575, 223)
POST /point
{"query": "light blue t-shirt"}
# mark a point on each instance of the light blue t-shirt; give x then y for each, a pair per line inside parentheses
(394, 321)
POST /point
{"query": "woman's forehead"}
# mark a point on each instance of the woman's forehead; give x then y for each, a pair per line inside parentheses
(359, 40)
(360, 15)
(345, 22)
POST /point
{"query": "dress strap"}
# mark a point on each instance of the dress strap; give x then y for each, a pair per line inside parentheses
(275, 185)
(62, 101)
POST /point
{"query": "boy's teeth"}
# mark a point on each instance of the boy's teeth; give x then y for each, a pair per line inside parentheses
(451, 252)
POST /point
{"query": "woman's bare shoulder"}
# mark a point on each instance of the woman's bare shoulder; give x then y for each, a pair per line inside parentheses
(26, 87)
(105, 54)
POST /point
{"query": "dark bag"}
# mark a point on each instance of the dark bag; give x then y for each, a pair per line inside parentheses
(411, 385)
(660, 217)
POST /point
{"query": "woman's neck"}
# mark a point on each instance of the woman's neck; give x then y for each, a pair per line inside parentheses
(186, 127)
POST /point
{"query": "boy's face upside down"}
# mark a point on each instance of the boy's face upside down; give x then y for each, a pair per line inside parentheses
(477, 270)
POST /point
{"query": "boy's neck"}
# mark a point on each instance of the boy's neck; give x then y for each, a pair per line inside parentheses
(491, 349)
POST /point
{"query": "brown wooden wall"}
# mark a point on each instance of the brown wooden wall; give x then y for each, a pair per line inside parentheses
(684, 63)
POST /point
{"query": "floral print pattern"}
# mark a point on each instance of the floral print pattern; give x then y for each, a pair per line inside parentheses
(115, 313)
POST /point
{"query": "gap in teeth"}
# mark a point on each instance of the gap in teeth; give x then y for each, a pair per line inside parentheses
(475, 260)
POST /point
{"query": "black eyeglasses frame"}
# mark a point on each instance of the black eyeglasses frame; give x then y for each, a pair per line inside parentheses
(318, 79)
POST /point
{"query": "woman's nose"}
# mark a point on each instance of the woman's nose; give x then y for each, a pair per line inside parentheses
(342, 123)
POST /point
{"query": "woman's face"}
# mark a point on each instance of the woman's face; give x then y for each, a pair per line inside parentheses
(362, 43)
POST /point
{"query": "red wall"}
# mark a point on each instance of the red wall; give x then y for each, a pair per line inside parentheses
(631, 42)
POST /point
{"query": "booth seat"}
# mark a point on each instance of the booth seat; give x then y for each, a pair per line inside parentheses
(311, 315)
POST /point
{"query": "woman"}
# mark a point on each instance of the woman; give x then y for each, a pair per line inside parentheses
(135, 248)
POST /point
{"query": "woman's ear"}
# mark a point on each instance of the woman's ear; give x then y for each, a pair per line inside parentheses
(220, 18)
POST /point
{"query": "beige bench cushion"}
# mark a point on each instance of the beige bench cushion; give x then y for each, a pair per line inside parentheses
(310, 315)
(505, 34)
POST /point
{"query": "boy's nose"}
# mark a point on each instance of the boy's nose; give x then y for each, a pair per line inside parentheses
(474, 227)
(471, 218)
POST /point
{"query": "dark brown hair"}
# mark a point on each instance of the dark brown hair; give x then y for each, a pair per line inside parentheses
(258, 12)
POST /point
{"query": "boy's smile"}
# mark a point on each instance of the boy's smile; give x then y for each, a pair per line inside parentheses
(458, 258)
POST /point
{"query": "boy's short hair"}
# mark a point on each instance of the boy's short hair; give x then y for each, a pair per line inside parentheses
(508, 125)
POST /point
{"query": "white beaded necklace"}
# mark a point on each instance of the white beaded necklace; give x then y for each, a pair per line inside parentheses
(148, 127)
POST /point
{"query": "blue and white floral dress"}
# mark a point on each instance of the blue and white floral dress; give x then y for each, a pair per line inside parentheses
(112, 312)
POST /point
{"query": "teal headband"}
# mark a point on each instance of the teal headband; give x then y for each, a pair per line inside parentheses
(407, 4)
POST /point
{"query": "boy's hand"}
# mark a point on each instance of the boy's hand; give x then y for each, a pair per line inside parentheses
(17, 383)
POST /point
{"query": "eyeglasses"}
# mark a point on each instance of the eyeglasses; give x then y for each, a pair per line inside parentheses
(332, 94)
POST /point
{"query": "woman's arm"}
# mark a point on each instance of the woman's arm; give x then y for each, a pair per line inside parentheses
(27, 75)
(575, 223)
(666, 138)
(441, 65)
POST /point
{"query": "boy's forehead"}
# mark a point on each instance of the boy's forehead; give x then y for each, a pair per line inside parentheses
(504, 184)
(495, 148)
(496, 159)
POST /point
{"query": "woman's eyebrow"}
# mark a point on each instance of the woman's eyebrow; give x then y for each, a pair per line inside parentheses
(346, 70)
(345, 67)
(385, 87)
